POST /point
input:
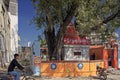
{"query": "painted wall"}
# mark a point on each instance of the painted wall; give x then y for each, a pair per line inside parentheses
(70, 68)
(119, 55)
(98, 50)
(69, 52)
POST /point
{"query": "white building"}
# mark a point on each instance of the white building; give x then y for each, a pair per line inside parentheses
(13, 14)
(4, 32)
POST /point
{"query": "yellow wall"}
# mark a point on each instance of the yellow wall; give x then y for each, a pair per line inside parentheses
(89, 68)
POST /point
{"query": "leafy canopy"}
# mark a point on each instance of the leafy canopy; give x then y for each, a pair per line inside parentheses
(97, 15)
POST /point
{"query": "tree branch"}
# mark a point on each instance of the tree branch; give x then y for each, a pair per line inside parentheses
(67, 19)
(111, 17)
(108, 19)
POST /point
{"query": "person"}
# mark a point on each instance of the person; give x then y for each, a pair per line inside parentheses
(92, 57)
(109, 61)
(14, 63)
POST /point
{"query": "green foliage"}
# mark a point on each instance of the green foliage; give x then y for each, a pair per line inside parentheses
(54, 10)
(42, 41)
(89, 14)
(50, 13)
(100, 16)
(94, 12)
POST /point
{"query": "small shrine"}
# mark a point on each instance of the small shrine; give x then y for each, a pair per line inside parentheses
(75, 48)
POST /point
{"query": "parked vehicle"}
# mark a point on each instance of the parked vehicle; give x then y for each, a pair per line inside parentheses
(101, 73)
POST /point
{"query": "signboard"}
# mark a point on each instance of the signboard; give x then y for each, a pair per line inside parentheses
(53, 66)
(80, 66)
(37, 61)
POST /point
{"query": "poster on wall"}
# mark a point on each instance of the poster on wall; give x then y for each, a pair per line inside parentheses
(37, 61)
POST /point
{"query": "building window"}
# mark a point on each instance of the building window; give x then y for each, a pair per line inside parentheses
(77, 53)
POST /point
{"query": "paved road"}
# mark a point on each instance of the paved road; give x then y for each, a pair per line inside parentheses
(110, 77)
(113, 75)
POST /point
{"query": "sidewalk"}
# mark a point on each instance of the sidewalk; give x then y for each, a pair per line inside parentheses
(3, 73)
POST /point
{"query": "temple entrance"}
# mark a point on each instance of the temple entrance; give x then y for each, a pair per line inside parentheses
(110, 57)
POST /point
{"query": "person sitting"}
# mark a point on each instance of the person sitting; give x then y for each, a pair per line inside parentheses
(14, 63)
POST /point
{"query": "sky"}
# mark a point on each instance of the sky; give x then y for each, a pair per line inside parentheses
(26, 31)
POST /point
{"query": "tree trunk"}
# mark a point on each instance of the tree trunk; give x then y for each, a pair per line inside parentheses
(50, 38)
(55, 43)
(62, 30)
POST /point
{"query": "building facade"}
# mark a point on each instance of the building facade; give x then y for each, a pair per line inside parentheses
(26, 52)
(13, 13)
(8, 30)
(4, 32)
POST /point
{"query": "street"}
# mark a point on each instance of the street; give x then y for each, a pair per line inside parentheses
(112, 75)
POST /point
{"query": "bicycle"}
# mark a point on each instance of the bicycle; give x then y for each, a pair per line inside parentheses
(101, 73)
(27, 77)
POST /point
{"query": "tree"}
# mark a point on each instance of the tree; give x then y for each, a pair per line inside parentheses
(100, 16)
(91, 15)
(53, 14)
